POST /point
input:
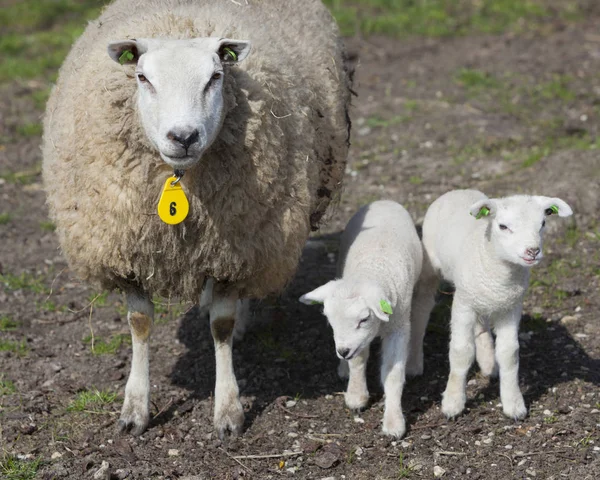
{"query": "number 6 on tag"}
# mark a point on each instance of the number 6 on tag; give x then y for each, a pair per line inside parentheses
(173, 205)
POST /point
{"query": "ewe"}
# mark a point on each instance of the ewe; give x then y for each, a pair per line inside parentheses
(261, 136)
(486, 248)
(379, 264)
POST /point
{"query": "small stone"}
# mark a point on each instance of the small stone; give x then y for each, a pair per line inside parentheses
(290, 403)
(472, 382)
(292, 434)
(530, 471)
(359, 451)
(102, 473)
(487, 441)
(328, 397)
(173, 452)
(438, 471)
(55, 455)
(567, 319)
(358, 420)
(547, 412)
(405, 444)
(508, 447)
(522, 462)
(425, 437)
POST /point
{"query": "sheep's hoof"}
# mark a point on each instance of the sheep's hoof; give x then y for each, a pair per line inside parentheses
(394, 425)
(134, 424)
(515, 409)
(229, 420)
(452, 407)
(357, 401)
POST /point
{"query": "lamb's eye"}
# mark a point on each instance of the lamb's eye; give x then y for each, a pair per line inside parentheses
(216, 76)
(142, 78)
(363, 321)
(502, 227)
(543, 223)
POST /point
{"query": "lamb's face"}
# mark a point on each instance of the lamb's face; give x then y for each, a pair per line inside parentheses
(354, 314)
(516, 225)
(180, 91)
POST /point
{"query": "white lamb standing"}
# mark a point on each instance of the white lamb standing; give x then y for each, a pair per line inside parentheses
(379, 264)
(486, 248)
(250, 100)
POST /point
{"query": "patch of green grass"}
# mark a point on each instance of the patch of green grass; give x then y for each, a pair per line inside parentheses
(7, 387)
(7, 324)
(47, 226)
(379, 122)
(442, 17)
(98, 299)
(535, 323)
(50, 306)
(535, 155)
(23, 177)
(19, 348)
(558, 87)
(165, 311)
(476, 80)
(30, 129)
(550, 419)
(14, 469)
(415, 180)
(5, 218)
(404, 471)
(102, 347)
(25, 281)
(92, 401)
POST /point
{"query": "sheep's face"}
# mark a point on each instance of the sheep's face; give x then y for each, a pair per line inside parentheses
(353, 311)
(180, 91)
(516, 225)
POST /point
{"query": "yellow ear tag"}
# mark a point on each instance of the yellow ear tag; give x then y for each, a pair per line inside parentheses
(173, 205)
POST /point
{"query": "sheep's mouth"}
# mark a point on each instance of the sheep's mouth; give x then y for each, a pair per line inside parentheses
(181, 163)
(530, 261)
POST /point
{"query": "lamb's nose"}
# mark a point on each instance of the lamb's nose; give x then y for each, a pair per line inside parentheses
(184, 137)
(343, 352)
(533, 252)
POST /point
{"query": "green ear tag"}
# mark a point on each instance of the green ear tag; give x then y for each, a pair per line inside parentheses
(126, 56)
(231, 53)
(483, 212)
(554, 209)
(385, 306)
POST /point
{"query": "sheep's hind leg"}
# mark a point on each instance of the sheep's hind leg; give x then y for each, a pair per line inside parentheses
(135, 413)
(229, 414)
(484, 349)
(357, 394)
(462, 353)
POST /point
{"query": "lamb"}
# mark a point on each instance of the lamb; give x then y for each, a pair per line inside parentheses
(379, 264)
(486, 248)
(257, 137)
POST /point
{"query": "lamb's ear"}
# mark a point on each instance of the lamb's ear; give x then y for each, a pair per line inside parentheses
(483, 208)
(318, 295)
(555, 205)
(233, 51)
(127, 52)
(382, 310)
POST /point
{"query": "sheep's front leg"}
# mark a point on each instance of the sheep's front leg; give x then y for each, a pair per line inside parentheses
(462, 352)
(357, 394)
(507, 354)
(229, 414)
(393, 371)
(484, 349)
(135, 413)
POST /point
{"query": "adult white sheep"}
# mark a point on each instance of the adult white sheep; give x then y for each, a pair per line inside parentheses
(379, 264)
(486, 248)
(262, 141)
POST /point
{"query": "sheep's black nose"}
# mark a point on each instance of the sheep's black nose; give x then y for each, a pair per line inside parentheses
(184, 137)
(533, 252)
(343, 352)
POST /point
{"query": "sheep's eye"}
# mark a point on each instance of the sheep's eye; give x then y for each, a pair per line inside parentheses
(543, 223)
(142, 78)
(363, 321)
(503, 227)
(216, 76)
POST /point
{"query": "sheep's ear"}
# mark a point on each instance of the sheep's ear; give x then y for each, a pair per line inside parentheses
(318, 295)
(126, 52)
(233, 51)
(555, 206)
(483, 208)
(382, 310)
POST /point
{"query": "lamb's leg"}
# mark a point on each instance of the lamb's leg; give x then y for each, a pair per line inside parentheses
(484, 349)
(423, 302)
(357, 394)
(462, 352)
(394, 348)
(229, 414)
(507, 354)
(135, 413)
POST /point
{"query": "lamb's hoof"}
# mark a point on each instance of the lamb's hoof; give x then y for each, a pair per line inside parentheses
(453, 406)
(394, 425)
(515, 409)
(489, 370)
(357, 402)
(229, 420)
(133, 421)
(414, 370)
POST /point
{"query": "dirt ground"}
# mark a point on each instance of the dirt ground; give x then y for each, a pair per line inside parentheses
(504, 114)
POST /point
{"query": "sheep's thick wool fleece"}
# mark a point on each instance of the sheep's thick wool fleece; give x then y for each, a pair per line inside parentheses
(269, 176)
